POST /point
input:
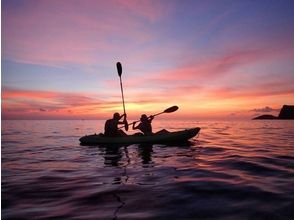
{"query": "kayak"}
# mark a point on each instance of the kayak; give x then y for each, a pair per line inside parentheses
(169, 137)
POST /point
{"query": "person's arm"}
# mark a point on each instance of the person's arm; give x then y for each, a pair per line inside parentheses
(151, 117)
(123, 115)
(135, 127)
(125, 119)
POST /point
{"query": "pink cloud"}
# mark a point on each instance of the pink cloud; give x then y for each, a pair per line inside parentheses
(55, 33)
(196, 72)
(251, 92)
(265, 109)
(17, 102)
(215, 78)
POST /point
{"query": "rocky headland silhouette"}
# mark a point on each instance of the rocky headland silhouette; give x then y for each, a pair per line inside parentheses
(286, 113)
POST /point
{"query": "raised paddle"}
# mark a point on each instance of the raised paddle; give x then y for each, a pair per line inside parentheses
(168, 110)
(119, 71)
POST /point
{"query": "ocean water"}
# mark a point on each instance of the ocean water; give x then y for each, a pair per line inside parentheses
(232, 170)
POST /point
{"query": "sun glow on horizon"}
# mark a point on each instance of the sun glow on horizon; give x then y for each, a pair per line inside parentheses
(213, 60)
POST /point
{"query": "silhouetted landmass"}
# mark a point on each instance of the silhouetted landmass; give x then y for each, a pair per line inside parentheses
(265, 117)
(287, 112)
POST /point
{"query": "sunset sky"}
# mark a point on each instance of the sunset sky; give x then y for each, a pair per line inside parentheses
(215, 59)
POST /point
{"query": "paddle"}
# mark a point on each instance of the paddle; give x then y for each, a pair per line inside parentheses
(168, 110)
(119, 71)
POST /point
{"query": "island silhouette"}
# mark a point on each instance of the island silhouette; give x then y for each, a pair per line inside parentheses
(286, 113)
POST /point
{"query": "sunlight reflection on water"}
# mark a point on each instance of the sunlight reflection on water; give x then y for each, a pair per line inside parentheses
(234, 169)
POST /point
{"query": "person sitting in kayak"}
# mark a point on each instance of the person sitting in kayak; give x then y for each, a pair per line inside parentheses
(111, 125)
(145, 124)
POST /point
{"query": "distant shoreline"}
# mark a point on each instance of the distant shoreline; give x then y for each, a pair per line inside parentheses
(286, 113)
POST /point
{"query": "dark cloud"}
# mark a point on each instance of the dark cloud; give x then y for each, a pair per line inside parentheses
(265, 109)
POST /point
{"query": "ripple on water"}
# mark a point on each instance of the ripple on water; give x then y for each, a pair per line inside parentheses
(231, 171)
(212, 150)
(253, 168)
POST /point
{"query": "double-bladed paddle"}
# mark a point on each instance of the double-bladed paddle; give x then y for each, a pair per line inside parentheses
(168, 110)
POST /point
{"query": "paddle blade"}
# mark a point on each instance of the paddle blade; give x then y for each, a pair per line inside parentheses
(171, 109)
(126, 126)
(119, 68)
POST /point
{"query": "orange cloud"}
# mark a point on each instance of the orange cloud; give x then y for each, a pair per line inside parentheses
(28, 104)
(24, 103)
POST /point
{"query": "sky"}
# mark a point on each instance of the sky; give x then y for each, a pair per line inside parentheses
(215, 59)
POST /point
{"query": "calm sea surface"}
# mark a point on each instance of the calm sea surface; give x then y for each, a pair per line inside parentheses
(232, 170)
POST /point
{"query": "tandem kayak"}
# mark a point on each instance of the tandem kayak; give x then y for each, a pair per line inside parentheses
(176, 136)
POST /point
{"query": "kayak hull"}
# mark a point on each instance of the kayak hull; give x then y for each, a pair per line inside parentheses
(170, 137)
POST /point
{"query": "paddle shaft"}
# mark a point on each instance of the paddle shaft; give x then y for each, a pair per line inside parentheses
(122, 95)
(148, 117)
(156, 114)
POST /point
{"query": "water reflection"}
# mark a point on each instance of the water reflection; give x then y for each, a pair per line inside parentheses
(145, 152)
(50, 176)
(118, 156)
(127, 159)
(112, 155)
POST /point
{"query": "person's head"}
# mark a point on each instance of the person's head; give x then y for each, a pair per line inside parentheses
(144, 118)
(116, 116)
